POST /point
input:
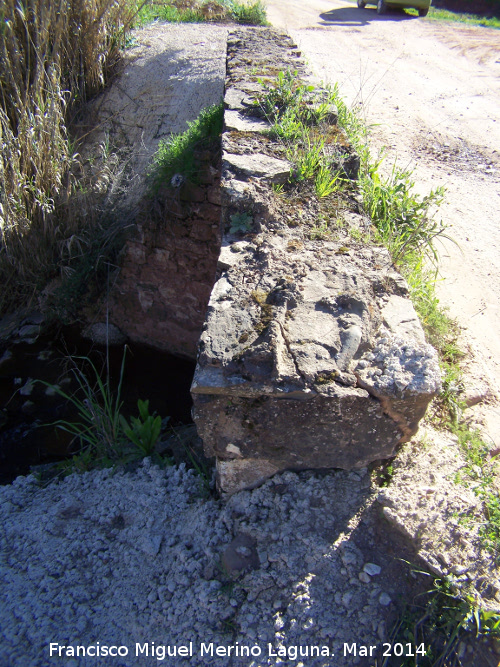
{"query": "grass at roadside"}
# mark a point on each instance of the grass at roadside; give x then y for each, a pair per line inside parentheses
(439, 623)
(198, 11)
(406, 225)
(463, 18)
(446, 614)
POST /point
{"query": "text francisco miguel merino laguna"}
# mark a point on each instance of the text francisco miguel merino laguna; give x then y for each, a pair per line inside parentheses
(161, 651)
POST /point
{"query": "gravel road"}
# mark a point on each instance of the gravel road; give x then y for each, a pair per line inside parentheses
(431, 92)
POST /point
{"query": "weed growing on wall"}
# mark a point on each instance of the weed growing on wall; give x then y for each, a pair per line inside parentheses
(177, 155)
(299, 115)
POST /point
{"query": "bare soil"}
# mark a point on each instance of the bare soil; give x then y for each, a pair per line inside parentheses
(430, 91)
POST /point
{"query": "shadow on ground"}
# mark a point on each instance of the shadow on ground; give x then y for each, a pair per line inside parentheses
(361, 17)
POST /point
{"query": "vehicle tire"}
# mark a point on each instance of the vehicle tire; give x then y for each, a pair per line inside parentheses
(381, 7)
(423, 12)
(361, 4)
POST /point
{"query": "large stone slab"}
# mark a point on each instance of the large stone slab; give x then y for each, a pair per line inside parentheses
(258, 165)
(297, 367)
(233, 120)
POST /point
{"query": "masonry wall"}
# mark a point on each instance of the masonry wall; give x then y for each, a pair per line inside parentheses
(169, 264)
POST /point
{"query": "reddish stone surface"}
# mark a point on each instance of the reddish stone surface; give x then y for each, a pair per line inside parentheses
(167, 274)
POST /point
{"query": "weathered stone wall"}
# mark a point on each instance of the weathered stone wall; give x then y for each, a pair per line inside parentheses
(169, 266)
(312, 355)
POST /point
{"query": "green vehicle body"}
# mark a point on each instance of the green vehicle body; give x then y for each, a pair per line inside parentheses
(382, 5)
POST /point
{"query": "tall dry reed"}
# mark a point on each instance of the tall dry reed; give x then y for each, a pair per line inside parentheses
(53, 57)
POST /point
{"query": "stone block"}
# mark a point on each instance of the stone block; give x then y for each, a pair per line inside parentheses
(136, 253)
(234, 120)
(258, 165)
(240, 556)
(192, 193)
(202, 231)
(146, 298)
(206, 211)
(160, 257)
(213, 195)
(306, 373)
(104, 334)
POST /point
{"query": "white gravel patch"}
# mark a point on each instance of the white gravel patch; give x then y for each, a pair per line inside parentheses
(134, 558)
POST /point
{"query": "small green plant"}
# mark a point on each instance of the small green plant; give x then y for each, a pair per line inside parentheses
(177, 155)
(289, 128)
(309, 160)
(325, 183)
(97, 428)
(438, 620)
(285, 94)
(386, 475)
(320, 231)
(143, 430)
(240, 223)
(479, 472)
(490, 530)
(101, 435)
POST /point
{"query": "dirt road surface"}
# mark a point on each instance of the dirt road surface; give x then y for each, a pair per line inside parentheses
(431, 91)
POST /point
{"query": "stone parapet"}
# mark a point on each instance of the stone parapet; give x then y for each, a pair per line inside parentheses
(312, 355)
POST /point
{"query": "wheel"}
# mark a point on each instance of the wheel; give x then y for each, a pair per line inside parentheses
(381, 7)
(423, 12)
(361, 4)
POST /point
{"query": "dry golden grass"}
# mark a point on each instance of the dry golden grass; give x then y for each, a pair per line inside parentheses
(53, 57)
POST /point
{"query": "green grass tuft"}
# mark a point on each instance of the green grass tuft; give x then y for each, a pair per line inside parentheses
(251, 13)
(464, 18)
(437, 621)
(177, 155)
(299, 114)
(199, 11)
